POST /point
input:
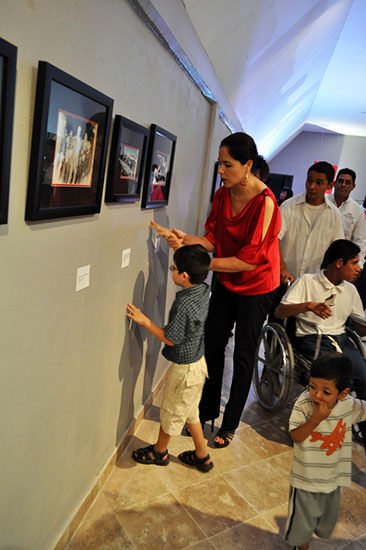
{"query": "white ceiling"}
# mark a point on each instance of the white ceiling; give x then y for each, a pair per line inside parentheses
(287, 65)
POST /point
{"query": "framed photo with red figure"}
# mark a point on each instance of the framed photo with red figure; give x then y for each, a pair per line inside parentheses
(159, 168)
(69, 145)
(127, 161)
(8, 60)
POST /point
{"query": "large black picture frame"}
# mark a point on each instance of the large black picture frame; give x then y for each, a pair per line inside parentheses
(8, 62)
(159, 168)
(69, 146)
(126, 161)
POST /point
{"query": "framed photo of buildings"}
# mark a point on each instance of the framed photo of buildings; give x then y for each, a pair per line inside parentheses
(127, 161)
(159, 168)
(69, 145)
(8, 60)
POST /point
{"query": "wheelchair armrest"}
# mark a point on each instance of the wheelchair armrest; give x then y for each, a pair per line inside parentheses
(318, 336)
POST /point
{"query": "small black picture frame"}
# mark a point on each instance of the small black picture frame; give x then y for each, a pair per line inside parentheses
(216, 181)
(159, 168)
(69, 146)
(127, 161)
(8, 61)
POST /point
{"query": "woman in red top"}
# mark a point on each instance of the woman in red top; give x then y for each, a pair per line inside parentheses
(242, 230)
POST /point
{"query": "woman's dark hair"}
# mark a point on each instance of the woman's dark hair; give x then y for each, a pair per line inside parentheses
(241, 147)
(323, 167)
(194, 260)
(333, 366)
(341, 249)
(289, 192)
(262, 169)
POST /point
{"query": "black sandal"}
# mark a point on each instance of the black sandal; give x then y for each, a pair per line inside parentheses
(191, 459)
(143, 456)
(226, 435)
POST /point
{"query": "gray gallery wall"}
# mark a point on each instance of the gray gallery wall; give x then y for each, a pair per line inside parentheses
(73, 374)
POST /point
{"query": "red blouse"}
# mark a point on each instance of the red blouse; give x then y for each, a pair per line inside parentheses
(241, 236)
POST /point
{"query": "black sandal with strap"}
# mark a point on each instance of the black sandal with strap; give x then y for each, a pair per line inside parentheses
(191, 459)
(226, 435)
(148, 455)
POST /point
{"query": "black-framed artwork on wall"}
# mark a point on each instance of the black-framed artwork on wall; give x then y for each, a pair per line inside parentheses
(69, 146)
(8, 61)
(159, 168)
(127, 161)
(216, 181)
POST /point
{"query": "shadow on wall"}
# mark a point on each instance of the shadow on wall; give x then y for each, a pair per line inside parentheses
(151, 299)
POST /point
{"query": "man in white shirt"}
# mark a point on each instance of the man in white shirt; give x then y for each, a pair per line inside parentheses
(353, 217)
(327, 299)
(309, 224)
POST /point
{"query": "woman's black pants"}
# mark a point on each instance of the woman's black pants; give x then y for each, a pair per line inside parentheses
(249, 314)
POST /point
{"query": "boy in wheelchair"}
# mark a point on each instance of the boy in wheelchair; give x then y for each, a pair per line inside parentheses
(327, 299)
(320, 426)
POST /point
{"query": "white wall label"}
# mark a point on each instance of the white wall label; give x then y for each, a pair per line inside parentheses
(82, 277)
(126, 257)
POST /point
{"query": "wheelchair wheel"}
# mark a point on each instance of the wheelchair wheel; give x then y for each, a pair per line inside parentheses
(273, 368)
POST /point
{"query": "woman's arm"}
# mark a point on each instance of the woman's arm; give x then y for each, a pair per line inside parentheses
(230, 265)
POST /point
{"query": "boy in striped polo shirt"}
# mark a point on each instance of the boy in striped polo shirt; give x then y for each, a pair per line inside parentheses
(321, 428)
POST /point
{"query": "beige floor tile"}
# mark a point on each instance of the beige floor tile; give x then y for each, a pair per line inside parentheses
(281, 462)
(104, 532)
(234, 456)
(353, 510)
(255, 534)
(215, 505)
(260, 485)
(264, 441)
(202, 545)
(161, 523)
(276, 518)
(131, 483)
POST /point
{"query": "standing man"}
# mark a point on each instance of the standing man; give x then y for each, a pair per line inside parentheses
(309, 224)
(353, 217)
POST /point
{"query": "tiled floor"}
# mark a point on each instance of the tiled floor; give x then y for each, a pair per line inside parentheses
(240, 504)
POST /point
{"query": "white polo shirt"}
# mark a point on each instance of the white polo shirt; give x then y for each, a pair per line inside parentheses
(315, 287)
(303, 243)
(354, 223)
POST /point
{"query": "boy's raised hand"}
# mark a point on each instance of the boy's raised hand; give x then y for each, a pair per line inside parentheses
(321, 411)
(136, 314)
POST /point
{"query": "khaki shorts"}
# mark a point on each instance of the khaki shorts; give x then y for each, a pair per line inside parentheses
(311, 513)
(182, 394)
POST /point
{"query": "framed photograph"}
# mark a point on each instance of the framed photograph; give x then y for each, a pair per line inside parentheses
(69, 145)
(127, 161)
(8, 61)
(159, 168)
(216, 182)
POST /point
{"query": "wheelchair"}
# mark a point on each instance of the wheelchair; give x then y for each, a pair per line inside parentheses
(279, 366)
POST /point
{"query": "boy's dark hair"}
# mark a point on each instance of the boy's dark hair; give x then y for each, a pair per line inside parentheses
(194, 260)
(324, 167)
(333, 366)
(341, 249)
(348, 172)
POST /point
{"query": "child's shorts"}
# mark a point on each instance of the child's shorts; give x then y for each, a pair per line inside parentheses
(182, 394)
(310, 513)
